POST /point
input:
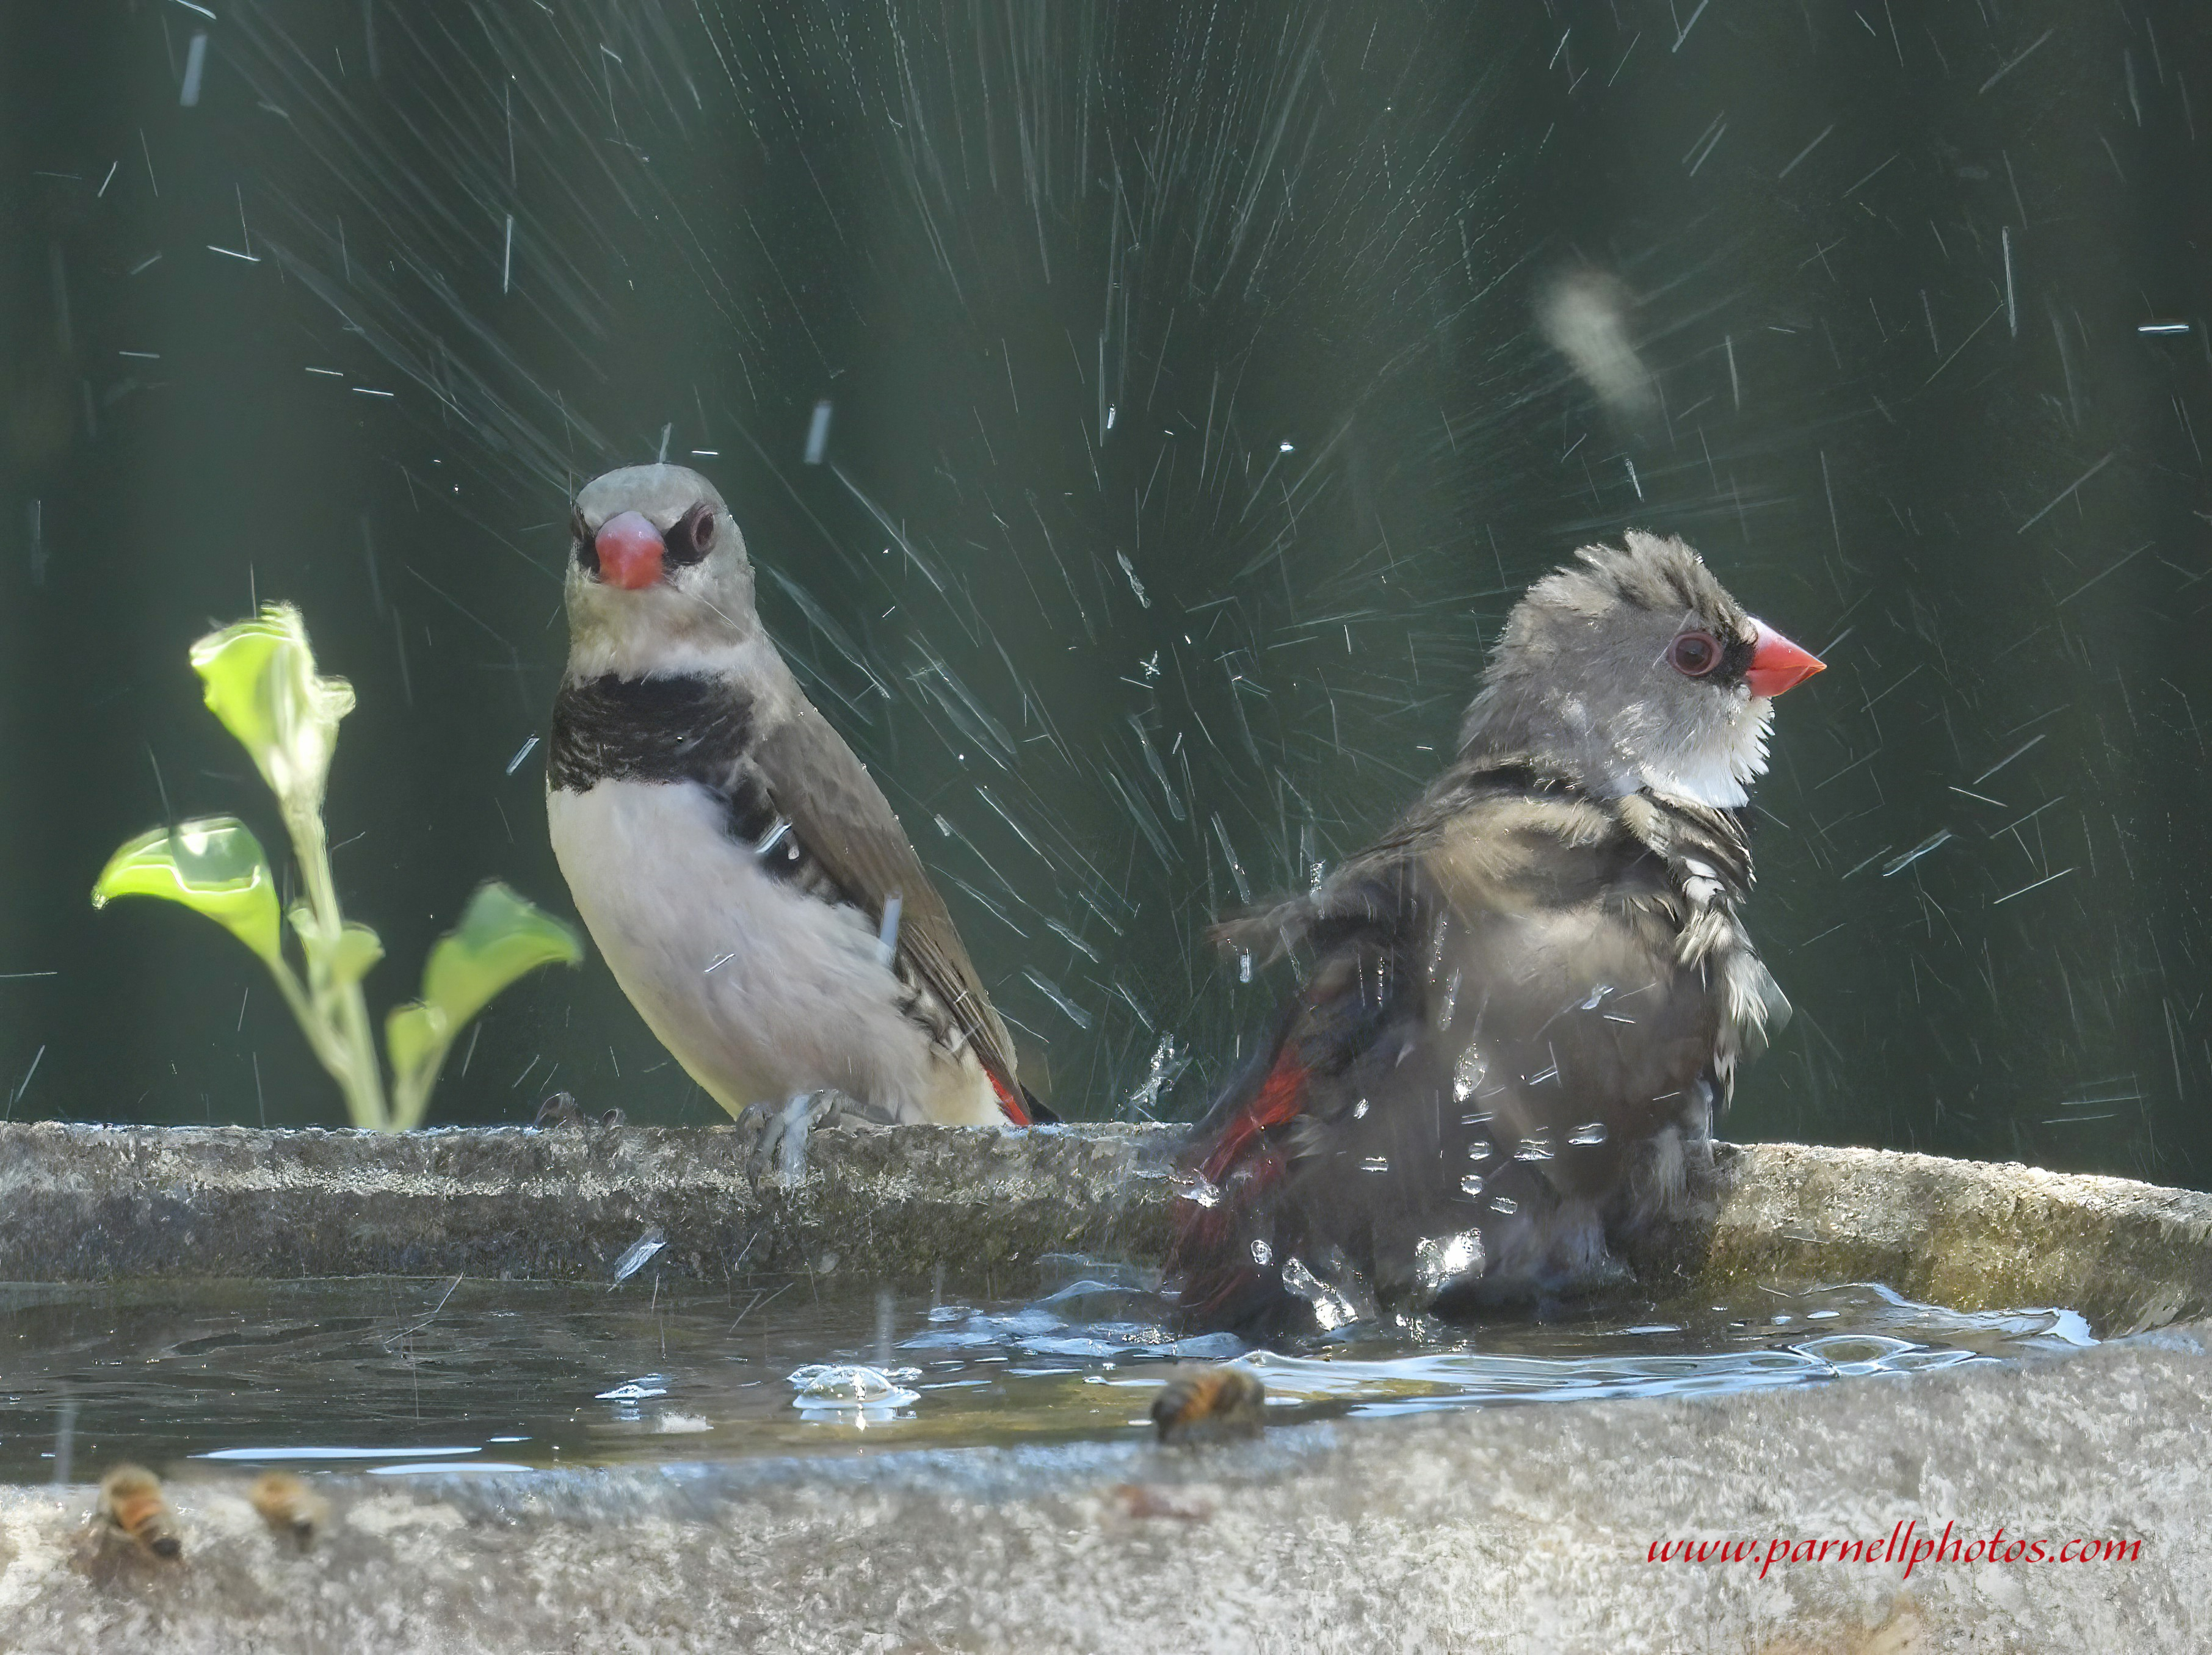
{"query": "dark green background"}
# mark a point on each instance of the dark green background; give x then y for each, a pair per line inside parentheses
(976, 228)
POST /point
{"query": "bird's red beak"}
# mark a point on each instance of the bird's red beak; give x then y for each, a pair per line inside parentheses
(1777, 664)
(629, 553)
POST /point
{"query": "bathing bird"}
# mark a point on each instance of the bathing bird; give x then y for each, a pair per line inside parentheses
(738, 868)
(1523, 1005)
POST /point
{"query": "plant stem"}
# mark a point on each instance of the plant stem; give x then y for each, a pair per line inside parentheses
(340, 1006)
(324, 1040)
(410, 1101)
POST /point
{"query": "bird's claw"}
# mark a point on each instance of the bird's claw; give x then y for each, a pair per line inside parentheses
(780, 1131)
(560, 1110)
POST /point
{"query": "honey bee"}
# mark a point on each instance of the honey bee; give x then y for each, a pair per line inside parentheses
(292, 1510)
(1210, 1404)
(130, 1505)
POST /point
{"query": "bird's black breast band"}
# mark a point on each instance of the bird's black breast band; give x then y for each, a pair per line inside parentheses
(683, 728)
(686, 728)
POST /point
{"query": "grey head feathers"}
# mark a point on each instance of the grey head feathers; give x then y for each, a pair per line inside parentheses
(1590, 672)
(699, 617)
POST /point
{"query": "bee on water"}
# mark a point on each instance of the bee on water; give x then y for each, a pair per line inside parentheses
(292, 1510)
(1210, 1404)
(131, 1505)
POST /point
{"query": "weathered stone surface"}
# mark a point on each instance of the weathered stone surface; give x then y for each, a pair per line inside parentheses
(95, 1202)
(1970, 1234)
(1513, 1530)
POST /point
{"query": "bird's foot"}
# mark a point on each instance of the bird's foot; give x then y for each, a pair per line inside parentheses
(560, 1109)
(781, 1130)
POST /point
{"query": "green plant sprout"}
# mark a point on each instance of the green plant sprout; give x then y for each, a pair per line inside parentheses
(261, 681)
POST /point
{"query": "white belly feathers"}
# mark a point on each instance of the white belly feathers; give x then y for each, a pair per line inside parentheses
(759, 991)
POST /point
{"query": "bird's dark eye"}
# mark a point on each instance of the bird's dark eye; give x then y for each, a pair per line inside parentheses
(693, 536)
(1694, 654)
(581, 546)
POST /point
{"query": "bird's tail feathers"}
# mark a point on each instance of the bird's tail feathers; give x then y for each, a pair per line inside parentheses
(1232, 1164)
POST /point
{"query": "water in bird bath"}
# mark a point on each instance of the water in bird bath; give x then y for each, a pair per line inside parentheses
(399, 1375)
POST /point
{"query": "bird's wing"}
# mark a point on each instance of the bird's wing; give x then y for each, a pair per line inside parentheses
(1501, 836)
(842, 821)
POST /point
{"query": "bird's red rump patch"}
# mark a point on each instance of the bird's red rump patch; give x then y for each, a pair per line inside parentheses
(1275, 1102)
(1010, 1102)
(630, 551)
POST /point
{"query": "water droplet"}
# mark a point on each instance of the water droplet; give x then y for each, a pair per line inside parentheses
(1262, 1252)
(1480, 1149)
(639, 1253)
(1505, 1205)
(1537, 1147)
(1375, 1164)
(1597, 995)
(1331, 1308)
(1469, 1073)
(1439, 1260)
(1245, 968)
(1471, 1185)
(1588, 1132)
(1360, 1110)
(1195, 1187)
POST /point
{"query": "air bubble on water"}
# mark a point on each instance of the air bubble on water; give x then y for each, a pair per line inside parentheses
(1244, 966)
(1262, 1252)
(1360, 1110)
(653, 1385)
(1596, 997)
(1449, 1004)
(848, 1387)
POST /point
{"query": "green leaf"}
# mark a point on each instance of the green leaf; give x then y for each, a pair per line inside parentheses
(261, 681)
(358, 949)
(214, 866)
(500, 937)
(416, 1035)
